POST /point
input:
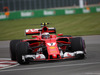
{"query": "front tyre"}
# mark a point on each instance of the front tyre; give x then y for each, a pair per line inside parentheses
(78, 45)
(22, 49)
(13, 49)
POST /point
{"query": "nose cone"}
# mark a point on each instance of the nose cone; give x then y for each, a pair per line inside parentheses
(54, 56)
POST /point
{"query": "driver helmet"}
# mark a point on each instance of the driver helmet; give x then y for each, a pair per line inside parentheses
(45, 35)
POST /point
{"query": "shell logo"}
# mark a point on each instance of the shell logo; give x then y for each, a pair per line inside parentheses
(52, 47)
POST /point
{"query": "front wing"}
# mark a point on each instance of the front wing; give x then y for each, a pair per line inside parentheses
(41, 57)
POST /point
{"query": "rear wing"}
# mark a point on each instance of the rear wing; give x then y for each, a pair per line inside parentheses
(38, 31)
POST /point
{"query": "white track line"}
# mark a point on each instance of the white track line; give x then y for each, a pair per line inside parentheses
(22, 69)
(3, 65)
(92, 73)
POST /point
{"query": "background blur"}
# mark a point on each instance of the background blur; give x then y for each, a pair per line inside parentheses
(18, 15)
(14, 5)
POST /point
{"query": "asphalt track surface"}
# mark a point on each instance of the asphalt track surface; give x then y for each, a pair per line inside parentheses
(88, 66)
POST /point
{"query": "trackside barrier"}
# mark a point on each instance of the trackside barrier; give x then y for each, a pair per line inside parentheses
(48, 12)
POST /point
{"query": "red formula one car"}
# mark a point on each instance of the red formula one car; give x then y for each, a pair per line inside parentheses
(46, 46)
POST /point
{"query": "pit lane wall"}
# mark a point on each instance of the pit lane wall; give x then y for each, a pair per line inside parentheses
(48, 12)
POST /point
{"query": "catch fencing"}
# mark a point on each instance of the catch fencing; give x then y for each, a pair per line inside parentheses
(16, 5)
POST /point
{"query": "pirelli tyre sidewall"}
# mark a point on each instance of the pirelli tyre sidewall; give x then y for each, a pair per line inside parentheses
(78, 44)
(22, 49)
(13, 44)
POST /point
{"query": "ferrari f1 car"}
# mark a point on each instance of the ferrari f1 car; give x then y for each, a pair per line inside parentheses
(46, 45)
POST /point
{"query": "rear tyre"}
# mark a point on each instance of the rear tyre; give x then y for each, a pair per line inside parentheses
(78, 44)
(22, 49)
(13, 49)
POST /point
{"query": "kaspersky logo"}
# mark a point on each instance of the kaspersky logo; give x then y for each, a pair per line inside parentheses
(49, 12)
(69, 11)
(27, 14)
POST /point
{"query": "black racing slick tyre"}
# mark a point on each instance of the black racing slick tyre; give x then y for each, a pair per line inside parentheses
(13, 49)
(78, 44)
(22, 49)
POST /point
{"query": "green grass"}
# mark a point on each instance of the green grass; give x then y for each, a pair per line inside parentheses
(81, 24)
